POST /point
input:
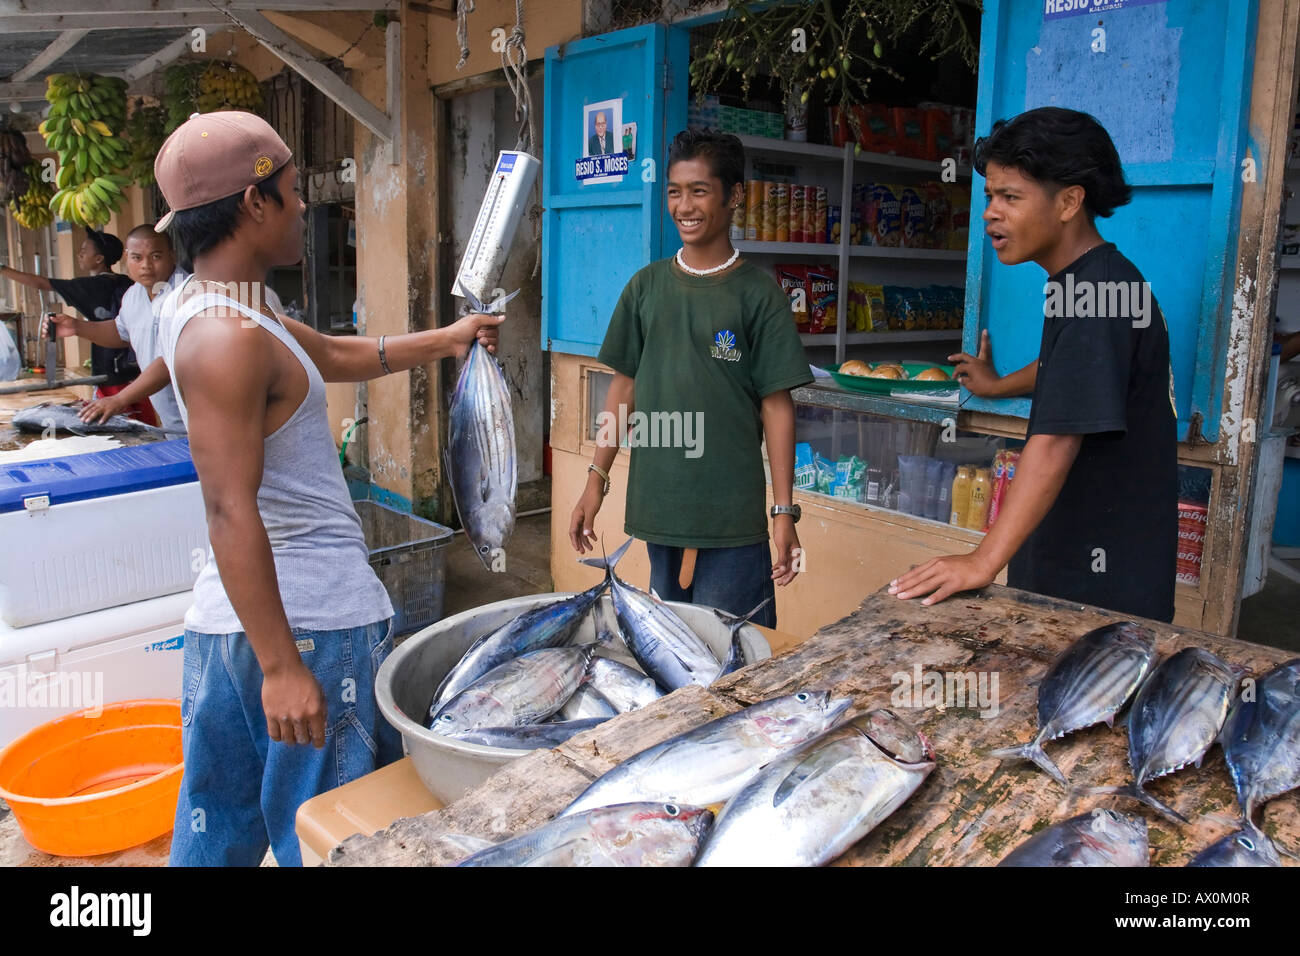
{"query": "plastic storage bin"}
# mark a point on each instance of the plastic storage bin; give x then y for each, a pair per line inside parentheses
(120, 653)
(89, 532)
(408, 555)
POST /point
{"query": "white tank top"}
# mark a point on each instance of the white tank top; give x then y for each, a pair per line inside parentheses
(321, 566)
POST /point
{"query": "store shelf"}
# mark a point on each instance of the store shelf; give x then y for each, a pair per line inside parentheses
(751, 246)
(901, 252)
(827, 339)
(906, 162)
(785, 147)
(832, 396)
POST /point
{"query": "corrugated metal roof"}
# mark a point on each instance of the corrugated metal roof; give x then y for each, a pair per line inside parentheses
(112, 51)
(19, 49)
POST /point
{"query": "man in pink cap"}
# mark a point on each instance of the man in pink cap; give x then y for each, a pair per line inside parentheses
(289, 624)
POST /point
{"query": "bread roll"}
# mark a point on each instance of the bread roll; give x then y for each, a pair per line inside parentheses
(855, 367)
(934, 374)
(888, 371)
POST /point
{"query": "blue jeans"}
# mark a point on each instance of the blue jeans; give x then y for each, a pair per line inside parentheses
(734, 580)
(241, 790)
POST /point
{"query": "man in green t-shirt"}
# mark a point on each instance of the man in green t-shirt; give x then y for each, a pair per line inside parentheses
(704, 351)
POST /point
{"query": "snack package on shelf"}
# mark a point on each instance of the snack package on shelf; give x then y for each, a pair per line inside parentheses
(858, 234)
(821, 207)
(805, 467)
(822, 294)
(780, 198)
(793, 277)
(1004, 470)
(938, 130)
(912, 208)
(885, 213)
(909, 129)
(937, 226)
(798, 212)
(825, 475)
(879, 133)
(773, 206)
(877, 319)
(849, 477)
(753, 209)
(959, 215)
(737, 231)
(833, 225)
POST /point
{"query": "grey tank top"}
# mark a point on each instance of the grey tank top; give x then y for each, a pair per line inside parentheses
(321, 566)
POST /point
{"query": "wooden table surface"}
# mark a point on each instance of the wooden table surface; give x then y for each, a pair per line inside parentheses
(972, 810)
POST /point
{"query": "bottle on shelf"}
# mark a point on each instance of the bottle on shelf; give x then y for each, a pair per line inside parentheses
(981, 496)
(960, 497)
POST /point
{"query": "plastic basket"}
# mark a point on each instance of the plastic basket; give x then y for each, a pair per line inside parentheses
(408, 555)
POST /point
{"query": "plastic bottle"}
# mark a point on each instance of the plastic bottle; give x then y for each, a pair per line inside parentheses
(981, 496)
(960, 496)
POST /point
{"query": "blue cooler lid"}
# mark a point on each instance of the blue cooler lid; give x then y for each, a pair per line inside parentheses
(100, 474)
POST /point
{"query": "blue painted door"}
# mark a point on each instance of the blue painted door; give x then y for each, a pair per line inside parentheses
(596, 234)
(1172, 88)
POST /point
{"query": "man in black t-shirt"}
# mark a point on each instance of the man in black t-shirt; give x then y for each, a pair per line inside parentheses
(97, 296)
(1092, 515)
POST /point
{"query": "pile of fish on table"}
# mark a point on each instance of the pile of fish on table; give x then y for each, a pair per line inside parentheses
(525, 686)
(1180, 708)
(785, 782)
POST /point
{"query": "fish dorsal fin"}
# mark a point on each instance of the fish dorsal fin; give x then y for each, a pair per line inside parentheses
(811, 767)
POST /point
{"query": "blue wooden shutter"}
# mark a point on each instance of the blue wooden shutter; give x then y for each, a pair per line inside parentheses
(595, 236)
(1172, 89)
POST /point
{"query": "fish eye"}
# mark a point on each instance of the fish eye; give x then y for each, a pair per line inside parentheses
(483, 550)
(1247, 842)
(802, 696)
(446, 718)
(672, 809)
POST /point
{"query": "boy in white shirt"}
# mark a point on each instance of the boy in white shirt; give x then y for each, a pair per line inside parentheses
(151, 263)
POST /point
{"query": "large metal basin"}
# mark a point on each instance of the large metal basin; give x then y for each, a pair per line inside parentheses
(408, 678)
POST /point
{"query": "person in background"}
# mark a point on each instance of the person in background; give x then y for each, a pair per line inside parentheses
(1092, 515)
(289, 623)
(97, 296)
(151, 263)
(707, 337)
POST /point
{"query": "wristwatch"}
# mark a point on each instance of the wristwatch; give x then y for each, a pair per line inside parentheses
(793, 510)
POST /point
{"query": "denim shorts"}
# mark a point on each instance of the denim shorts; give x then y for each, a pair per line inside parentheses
(241, 790)
(734, 580)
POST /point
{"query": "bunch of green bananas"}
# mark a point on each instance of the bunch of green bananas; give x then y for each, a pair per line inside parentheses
(204, 86)
(144, 131)
(14, 157)
(31, 210)
(87, 115)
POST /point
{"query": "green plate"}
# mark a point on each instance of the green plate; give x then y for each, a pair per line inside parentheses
(884, 386)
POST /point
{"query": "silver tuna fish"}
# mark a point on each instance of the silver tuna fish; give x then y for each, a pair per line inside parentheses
(637, 834)
(1261, 738)
(550, 625)
(525, 690)
(810, 805)
(710, 763)
(1245, 847)
(63, 418)
(662, 643)
(529, 736)
(736, 656)
(1088, 683)
(1098, 838)
(1174, 720)
(626, 688)
(586, 702)
(480, 457)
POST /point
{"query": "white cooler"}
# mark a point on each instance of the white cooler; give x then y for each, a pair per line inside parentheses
(121, 653)
(88, 532)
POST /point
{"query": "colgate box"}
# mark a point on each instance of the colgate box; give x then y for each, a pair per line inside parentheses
(1192, 522)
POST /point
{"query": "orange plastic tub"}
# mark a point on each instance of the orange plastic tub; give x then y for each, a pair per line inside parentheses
(83, 785)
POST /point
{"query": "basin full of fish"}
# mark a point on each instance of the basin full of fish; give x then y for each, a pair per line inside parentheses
(525, 684)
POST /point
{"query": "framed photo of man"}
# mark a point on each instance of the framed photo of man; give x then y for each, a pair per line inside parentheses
(602, 125)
